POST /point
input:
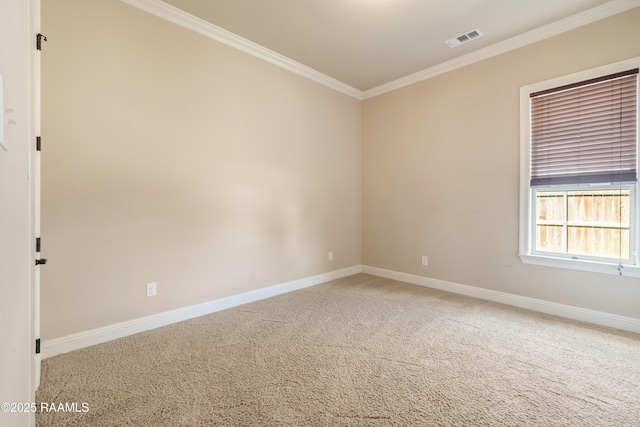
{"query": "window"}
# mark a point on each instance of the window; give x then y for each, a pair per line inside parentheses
(583, 223)
(578, 184)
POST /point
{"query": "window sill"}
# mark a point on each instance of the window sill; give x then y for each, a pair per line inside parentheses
(581, 265)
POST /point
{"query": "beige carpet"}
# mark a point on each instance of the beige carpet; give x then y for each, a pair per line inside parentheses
(359, 351)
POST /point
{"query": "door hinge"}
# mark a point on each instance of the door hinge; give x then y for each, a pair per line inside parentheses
(39, 39)
(38, 143)
(38, 243)
(38, 346)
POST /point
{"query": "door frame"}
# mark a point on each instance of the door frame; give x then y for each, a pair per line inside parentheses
(34, 176)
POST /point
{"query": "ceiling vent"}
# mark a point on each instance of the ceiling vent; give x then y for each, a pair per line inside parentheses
(463, 38)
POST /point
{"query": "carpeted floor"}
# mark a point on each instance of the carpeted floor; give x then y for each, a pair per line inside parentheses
(359, 351)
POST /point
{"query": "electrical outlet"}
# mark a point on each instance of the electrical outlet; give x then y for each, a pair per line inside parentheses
(152, 289)
(330, 256)
(425, 260)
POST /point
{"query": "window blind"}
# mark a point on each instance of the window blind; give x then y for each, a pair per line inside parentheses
(585, 132)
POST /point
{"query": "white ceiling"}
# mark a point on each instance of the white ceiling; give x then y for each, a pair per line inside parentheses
(367, 43)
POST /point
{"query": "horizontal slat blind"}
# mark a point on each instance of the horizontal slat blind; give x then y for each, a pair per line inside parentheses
(585, 132)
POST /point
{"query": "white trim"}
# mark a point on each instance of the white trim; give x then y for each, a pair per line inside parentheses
(80, 340)
(207, 29)
(119, 330)
(630, 324)
(580, 265)
(592, 15)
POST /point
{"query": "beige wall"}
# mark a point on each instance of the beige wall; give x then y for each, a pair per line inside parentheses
(17, 341)
(441, 172)
(169, 157)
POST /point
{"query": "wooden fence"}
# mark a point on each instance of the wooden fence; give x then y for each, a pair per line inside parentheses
(594, 222)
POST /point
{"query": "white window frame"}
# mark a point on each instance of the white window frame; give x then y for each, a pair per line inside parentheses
(527, 252)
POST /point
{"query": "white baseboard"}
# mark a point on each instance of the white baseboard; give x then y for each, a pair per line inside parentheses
(119, 330)
(630, 324)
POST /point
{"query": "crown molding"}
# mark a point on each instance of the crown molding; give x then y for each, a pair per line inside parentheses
(207, 29)
(587, 17)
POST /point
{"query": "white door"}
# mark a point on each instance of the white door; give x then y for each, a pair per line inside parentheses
(39, 261)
